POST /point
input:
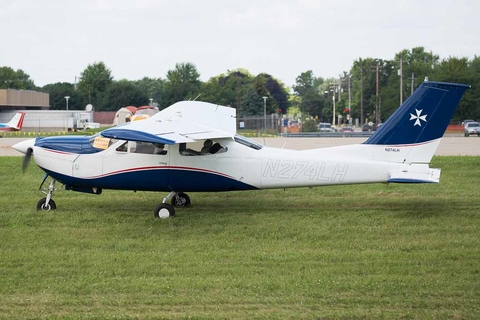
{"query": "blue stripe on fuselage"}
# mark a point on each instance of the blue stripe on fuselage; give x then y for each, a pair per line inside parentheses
(157, 179)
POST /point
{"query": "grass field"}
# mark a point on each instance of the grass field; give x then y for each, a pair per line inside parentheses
(366, 251)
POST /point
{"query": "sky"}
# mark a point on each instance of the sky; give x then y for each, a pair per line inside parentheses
(55, 40)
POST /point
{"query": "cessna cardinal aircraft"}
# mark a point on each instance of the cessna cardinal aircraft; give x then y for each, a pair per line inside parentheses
(15, 124)
(193, 147)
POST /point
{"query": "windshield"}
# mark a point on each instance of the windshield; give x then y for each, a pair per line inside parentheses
(473, 124)
(99, 142)
(247, 142)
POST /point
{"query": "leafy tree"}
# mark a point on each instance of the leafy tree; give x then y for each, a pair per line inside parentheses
(307, 88)
(94, 82)
(154, 89)
(229, 90)
(472, 109)
(11, 79)
(182, 83)
(253, 103)
(457, 70)
(123, 93)
(58, 91)
(277, 92)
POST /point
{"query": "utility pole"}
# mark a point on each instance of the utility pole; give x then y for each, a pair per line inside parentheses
(339, 89)
(333, 98)
(333, 88)
(361, 96)
(400, 73)
(265, 114)
(349, 100)
(413, 83)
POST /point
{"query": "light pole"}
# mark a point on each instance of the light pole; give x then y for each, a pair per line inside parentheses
(66, 98)
(333, 98)
(265, 114)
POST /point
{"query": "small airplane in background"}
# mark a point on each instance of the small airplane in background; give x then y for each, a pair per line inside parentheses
(15, 124)
(193, 147)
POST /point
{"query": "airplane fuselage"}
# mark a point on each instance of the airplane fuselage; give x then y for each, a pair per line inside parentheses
(83, 168)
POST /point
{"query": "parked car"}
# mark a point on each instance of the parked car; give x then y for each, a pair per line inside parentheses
(366, 127)
(346, 129)
(325, 127)
(472, 128)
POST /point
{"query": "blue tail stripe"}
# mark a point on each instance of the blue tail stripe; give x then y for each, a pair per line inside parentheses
(423, 117)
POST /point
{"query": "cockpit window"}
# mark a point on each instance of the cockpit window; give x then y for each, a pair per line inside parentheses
(247, 142)
(143, 147)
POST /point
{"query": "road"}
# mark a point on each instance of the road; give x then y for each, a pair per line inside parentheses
(449, 146)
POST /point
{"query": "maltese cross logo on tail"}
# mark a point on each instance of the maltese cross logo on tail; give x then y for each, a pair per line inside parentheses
(418, 117)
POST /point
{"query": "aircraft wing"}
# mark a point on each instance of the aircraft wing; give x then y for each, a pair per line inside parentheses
(184, 121)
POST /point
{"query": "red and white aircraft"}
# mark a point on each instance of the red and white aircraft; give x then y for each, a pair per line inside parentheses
(15, 124)
(193, 147)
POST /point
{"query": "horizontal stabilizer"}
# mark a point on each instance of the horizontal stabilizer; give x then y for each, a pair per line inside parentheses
(406, 176)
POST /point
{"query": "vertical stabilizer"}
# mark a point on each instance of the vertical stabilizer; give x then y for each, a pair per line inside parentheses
(17, 121)
(423, 117)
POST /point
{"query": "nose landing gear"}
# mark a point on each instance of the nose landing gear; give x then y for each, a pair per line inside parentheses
(47, 203)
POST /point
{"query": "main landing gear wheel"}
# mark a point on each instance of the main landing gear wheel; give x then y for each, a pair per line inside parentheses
(44, 206)
(181, 200)
(164, 210)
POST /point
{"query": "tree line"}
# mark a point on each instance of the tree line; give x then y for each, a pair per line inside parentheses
(370, 91)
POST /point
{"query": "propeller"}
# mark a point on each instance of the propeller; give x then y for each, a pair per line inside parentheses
(26, 159)
(25, 147)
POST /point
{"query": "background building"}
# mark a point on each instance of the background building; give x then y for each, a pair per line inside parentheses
(11, 99)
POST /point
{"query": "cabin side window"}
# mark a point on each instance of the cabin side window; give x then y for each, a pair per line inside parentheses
(201, 148)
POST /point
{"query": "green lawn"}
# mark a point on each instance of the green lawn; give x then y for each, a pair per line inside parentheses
(366, 251)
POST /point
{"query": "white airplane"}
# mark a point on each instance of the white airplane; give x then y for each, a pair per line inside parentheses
(15, 124)
(193, 147)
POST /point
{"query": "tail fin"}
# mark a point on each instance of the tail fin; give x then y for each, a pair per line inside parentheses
(423, 117)
(412, 134)
(17, 121)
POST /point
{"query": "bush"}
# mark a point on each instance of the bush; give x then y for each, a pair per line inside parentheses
(309, 126)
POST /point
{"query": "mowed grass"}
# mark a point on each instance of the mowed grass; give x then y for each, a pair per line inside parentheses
(365, 251)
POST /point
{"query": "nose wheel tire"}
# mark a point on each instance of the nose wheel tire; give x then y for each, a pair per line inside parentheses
(163, 211)
(44, 206)
(181, 200)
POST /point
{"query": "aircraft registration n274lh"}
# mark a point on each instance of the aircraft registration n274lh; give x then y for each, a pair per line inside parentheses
(15, 124)
(193, 147)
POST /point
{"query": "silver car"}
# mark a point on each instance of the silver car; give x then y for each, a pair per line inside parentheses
(325, 127)
(472, 128)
